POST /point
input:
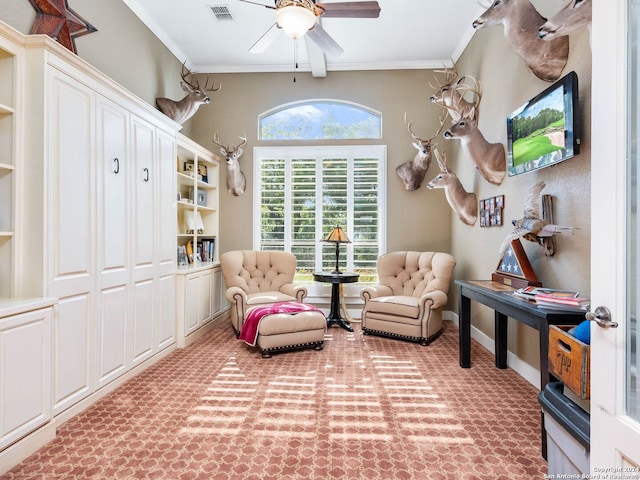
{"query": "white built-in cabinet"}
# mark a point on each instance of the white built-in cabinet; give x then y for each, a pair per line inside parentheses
(11, 111)
(105, 224)
(25, 323)
(200, 297)
(89, 290)
(25, 373)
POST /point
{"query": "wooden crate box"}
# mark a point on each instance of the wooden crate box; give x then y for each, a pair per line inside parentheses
(569, 360)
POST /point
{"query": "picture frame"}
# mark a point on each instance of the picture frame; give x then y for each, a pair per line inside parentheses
(199, 197)
(182, 256)
(202, 171)
(491, 211)
(189, 167)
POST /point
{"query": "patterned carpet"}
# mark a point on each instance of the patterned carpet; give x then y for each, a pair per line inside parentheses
(362, 408)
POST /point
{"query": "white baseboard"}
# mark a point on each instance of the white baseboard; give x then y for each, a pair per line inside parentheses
(526, 371)
(19, 451)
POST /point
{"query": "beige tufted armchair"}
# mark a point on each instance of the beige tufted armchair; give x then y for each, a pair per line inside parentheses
(407, 304)
(257, 278)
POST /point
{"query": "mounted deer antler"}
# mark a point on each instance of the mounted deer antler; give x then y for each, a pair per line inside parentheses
(465, 204)
(452, 98)
(236, 181)
(489, 158)
(521, 23)
(183, 110)
(413, 171)
(574, 15)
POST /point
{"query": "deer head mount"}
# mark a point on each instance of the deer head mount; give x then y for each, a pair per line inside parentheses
(573, 16)
(452, 95)
(521, 23)
(489, 158)
(236, 181)
(413, 171)
(183, 110)
(465, 204)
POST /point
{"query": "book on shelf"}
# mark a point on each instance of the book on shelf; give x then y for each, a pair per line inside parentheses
(207, 250)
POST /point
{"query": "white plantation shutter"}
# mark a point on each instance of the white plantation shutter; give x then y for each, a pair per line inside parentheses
(303, 192)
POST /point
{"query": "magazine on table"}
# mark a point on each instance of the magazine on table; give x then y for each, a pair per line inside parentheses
(530, 292)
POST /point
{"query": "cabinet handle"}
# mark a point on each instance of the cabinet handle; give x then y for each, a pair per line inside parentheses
(146, 174)
(116, 169)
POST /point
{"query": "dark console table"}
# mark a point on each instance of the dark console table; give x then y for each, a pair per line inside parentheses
(500, 298)
(336, 279)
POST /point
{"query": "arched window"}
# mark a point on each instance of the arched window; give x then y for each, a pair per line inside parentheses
(320, 120)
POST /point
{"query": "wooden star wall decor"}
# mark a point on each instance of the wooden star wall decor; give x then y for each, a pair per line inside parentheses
(56, 19)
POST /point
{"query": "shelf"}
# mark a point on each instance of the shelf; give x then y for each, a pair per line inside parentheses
(195, 267)
(6, 109)
(207, 209)
(6, 234)
(184, 179)
(6, 166)
(205, 185)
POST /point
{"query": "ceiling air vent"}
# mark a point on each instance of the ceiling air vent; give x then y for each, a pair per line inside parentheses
(221, 12)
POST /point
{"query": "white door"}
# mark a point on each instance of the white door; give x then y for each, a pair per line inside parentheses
(615, 253)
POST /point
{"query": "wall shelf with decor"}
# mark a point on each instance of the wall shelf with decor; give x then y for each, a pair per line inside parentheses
(200, 288)
(197, 198)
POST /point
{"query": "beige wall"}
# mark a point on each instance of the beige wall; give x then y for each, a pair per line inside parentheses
(507, 85)
(416, 220)
(125, 49)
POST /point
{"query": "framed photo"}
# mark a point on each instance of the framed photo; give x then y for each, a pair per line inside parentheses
(189, 167)
(491, 211)
(202, 170)
(200, 197)
(182, 255)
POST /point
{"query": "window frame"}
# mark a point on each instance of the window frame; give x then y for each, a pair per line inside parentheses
(318, 153)
(311, 103)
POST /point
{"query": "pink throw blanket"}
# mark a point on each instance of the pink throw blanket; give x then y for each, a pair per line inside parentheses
(249, 330)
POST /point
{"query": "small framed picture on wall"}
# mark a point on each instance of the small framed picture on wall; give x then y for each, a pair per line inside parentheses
(491, 210)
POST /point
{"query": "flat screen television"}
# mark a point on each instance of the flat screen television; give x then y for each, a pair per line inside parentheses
(545, 130)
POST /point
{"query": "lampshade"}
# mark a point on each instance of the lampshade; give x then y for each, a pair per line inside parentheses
(337, 235)
(296, 18)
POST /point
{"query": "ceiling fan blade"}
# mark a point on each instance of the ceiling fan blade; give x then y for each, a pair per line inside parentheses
(265, 40)
(350, 9)
(322, 39)
(260, 4)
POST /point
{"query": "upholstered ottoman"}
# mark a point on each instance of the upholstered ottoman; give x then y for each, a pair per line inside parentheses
(283, 327)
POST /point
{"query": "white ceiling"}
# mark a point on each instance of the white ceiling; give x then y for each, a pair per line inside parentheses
(408, 34)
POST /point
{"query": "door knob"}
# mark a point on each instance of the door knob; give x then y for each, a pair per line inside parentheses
(602, 316)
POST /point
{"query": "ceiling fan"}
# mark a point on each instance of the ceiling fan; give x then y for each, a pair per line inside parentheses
(299, 17)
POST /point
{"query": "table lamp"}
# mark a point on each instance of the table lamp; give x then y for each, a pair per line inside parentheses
(337, 236)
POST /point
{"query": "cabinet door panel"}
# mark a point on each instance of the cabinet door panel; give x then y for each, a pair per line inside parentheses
(204, 298)
(113, 192)
(72, 363)
(143, 321)
(112, 334)
(167, 311)
(70, 201)
(25, 370)
(143, 180)
(166, 204)
(192, 302)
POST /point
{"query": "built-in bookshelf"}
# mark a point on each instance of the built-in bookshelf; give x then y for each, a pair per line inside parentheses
(11, 66)
(197, 191)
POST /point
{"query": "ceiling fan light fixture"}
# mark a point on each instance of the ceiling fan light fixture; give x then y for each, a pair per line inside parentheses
(295, 17)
